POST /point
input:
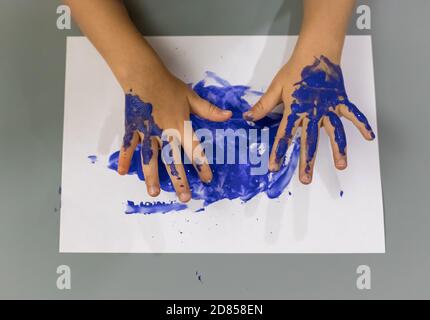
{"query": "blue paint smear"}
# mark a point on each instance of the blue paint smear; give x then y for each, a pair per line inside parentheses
(138, 117)
(92, 158)
(153, 207)
(230, 181)
(341, 193)
(317, 95)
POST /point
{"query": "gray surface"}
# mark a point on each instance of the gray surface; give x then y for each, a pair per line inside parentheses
(32, 59)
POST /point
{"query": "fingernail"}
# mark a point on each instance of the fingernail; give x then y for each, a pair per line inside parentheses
(372, 135)
(226, 112)
(273, 167)
(207, 181)
(153, 191)
(341, 162)
(249, 116)
(122, 171)
(184, 197)
(306, 178)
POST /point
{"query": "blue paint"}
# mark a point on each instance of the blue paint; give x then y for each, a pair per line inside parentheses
(153, 207)
(230, 181)
(138, 118)
(199, 276)
(341, 193)
(284, 142)
(339, 131)
(92, 158)
(172, 166)
(316, 96)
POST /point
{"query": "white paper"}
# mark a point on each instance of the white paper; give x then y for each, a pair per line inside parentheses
(314, 219)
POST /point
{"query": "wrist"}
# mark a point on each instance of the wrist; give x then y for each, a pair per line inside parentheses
(140, 73)
(315, 44)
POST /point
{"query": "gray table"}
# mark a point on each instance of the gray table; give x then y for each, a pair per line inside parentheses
(32, 59)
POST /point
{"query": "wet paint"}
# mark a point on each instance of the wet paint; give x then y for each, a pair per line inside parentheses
(153, 207)
(316, 96)
(92, 158)
(230, 181)
(138, 118)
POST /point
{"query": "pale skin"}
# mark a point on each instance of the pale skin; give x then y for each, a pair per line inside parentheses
(137, 66)
(322, 33)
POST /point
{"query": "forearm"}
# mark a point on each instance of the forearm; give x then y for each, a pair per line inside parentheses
(107, 25)
(324, 26)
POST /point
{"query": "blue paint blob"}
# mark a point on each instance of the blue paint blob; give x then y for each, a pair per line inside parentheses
(230, 181)
(341, 193)
(92, 158)
(316, 96)
(153, 207)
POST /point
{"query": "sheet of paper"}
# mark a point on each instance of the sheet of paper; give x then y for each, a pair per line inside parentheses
(313, 219)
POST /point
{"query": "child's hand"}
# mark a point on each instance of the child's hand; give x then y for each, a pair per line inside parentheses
(313, 95)
(155, 103)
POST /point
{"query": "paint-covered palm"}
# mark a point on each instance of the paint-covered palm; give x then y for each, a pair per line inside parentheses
(318, 99)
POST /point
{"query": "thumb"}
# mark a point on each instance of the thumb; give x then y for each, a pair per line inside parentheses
(267, 103)
(207, 110)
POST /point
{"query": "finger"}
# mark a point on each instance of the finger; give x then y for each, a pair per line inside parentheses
(351, 112)
(207, 110)
(334, 128)
(150, 168)
(172, 159)
(266, 104)
(126, 153)
(286, 132)
(308, 148)
(195, 153)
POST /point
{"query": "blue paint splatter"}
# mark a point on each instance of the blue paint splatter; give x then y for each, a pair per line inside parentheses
(92, 158)
(230, 181)
(153, 207)
(341, 193)
(199, 276)
(317, 96)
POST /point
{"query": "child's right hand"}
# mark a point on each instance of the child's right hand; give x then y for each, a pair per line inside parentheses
(156, 101)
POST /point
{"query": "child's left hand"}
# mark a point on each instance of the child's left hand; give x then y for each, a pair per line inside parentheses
(314, 96)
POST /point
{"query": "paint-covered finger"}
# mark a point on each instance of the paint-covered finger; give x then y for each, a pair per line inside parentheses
(196, 155)
(265, 105)
(334, 129)
(286, 132)
(308, 148)
(352, 113)
(207, 110)
(150, 168)
(126, 153)
(171, 155)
